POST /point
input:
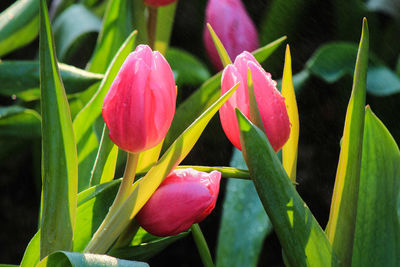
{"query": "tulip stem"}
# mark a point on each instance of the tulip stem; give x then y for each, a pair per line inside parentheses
(202, 246)
(152, 26)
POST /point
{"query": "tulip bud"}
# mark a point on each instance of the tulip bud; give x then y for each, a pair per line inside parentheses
(185, 197)
(232, 25)
(158, 3)
(140, 105)
(270, 102)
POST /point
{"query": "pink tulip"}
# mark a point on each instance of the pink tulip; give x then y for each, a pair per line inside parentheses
(139, 107)
(233, 26)
(158, 2)
(185, 197)
(270, 102)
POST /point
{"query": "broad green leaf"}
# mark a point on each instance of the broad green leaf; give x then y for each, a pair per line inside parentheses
(342, 218)
(165, 20)
(148, 158)
(223, 54)
(32, 252)
(16, 121)
(106, 160)
(83, 122)
(144, 246)
(116, 28)
(303, 241)
(72, 29)
(377, 234)
(75, 80)
(207, 94)
(244, 223)
(145, 187)
(335, 60)
(19, 25)
(289, 150)
(59, 156)
(187, 69)
(74, 259)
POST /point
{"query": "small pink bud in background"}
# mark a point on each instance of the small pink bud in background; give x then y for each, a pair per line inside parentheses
(185, 197)
(140, 105)
(232, 25)
(158, 2)
(270, 102)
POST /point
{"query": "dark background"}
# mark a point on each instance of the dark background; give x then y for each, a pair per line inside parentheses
(321, 106)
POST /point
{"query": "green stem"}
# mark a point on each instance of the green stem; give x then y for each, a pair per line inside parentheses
(124, 190)
(202, 246)
(152, 25)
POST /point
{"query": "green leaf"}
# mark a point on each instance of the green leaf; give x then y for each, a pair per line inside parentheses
(144, 246)
(74, 259)
(75, 80)
(116, 28)
(72, 29)
(59, 156)
(333, 61)
(377, 235)
(207, 94)
(165, 21)
(226, 172)
(342, 218)
(303, 241)
(106, 160)
(19, 25)
(223, 54)
(244, 223)
(187, 69)
(145, 187)
(83, 122)
(16, 121)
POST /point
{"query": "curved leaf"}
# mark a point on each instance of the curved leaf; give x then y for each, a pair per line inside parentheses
(16, 121)
(75, 80)
(19, 25)
(74, 259)
(71, 27)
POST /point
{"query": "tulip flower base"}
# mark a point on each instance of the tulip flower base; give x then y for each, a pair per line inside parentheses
(109, 138)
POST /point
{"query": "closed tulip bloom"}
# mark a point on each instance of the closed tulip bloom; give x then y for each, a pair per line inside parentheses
(233, 26)
(139, 107)
(185, 197)
(158, 3)
(270, 102)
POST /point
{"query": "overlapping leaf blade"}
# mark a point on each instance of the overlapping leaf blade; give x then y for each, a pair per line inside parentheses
(59, 156)
(377, 233)
(303, 241)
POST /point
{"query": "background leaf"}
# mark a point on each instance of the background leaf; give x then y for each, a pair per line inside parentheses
(244, 223)
(303, 241)
(75, 80)
(64, 258)
(187, 69)
(342, 217)
(59, 156)
(73, 28)
(165, 20)
(16, 121)
(377, 234)
(19, 25)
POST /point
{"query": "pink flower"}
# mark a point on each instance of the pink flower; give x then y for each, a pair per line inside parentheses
(270, 102)
(139, 107)
(185, 197)
(233, 26)
(158, 2)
